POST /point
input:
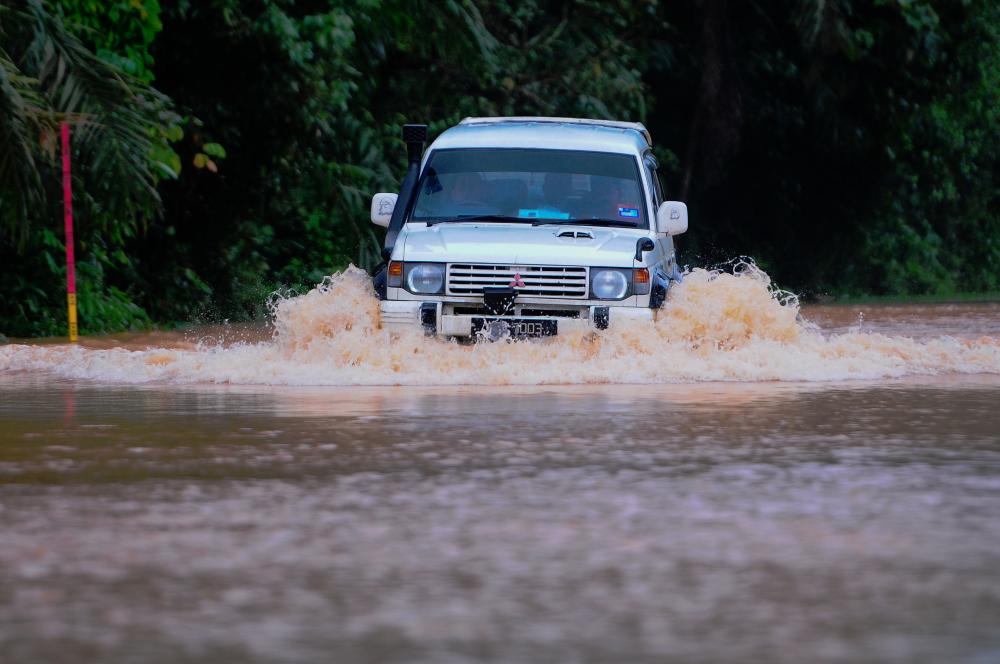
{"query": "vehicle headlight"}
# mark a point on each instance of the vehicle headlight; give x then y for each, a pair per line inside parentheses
(609, 284)
(424, 278)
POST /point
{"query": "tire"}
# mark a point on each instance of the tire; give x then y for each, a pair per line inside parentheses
(380, 280)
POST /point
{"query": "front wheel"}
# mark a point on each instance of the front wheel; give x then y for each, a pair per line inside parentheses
(380, 280)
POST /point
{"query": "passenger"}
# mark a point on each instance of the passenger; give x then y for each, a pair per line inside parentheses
(556, 190)
(467, 189)
(556, 196)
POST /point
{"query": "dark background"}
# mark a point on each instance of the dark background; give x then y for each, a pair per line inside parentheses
(848, 147)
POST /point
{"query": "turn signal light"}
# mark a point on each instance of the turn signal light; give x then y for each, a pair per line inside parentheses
(640, 281)
(395, 272)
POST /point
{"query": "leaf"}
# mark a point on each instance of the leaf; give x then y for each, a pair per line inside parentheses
(173, 133)
(165, 170)
(214, 150)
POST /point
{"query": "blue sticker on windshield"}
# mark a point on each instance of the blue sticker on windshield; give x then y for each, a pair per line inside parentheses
(630, 212)
(542, 214)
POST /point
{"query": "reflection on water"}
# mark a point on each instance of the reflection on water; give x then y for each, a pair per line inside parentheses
(710, 522)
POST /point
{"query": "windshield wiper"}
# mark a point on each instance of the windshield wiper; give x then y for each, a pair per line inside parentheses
(593, 221)
(499, 218)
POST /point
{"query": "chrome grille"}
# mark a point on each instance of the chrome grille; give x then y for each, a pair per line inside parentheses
(539, 280)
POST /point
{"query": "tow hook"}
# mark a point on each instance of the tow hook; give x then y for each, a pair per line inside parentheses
(428, 318)
(602, 316)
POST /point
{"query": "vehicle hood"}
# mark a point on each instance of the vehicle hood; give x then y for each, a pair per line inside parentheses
(520, 244)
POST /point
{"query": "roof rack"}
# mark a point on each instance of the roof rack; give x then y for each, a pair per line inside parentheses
(635, 126)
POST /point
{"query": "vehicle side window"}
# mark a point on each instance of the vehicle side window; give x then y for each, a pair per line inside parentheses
(650, 162)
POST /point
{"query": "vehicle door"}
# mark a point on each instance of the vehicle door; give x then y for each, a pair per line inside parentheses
(664, 250)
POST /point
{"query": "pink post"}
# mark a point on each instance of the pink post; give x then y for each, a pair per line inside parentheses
(68, 219)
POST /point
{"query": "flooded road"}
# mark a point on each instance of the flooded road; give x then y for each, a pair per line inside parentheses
(713, 327)
(155, 509)
(753, 522)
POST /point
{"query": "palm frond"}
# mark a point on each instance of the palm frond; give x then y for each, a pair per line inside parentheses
(22, 118)
(117, 120)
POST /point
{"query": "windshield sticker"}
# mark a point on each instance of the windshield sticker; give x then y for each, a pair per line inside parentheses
(626, 211)
(526, 213)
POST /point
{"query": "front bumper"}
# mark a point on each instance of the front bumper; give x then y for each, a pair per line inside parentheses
(398, 316)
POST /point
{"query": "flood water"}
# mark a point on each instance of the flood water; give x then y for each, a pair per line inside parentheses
(149, 518)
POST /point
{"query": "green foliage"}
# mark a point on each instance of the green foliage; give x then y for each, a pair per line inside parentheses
(29, 307)
(849, 146)
(121, 130)
(308, 101)
(119, 32)
(106, 307)
(937, 227)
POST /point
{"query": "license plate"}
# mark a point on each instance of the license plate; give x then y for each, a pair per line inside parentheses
(515, 328)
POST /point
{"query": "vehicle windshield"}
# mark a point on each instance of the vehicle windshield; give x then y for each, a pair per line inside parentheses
(530, 186)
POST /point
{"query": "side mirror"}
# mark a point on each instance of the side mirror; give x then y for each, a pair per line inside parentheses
(382, 207)
(672, 218)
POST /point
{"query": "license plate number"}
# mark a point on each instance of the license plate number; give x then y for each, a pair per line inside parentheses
(517, 328)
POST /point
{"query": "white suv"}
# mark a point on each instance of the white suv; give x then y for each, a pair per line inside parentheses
(526, 227)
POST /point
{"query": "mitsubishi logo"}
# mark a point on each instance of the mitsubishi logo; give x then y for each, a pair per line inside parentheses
(518, 281)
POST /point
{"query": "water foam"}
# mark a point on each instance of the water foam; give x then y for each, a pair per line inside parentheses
(715, 326)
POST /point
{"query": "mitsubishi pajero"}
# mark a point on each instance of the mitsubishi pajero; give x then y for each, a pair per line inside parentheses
(521, 227)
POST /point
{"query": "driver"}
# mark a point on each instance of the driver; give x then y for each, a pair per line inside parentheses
(606, 197)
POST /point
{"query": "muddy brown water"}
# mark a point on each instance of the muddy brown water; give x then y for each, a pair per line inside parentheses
(827, 521)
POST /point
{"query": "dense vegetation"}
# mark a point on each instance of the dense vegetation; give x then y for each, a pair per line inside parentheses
(226, 148)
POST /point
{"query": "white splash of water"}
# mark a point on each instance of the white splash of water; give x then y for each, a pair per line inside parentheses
(714, 326)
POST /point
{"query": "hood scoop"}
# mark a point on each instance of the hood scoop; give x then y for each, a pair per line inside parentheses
(577, 235)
